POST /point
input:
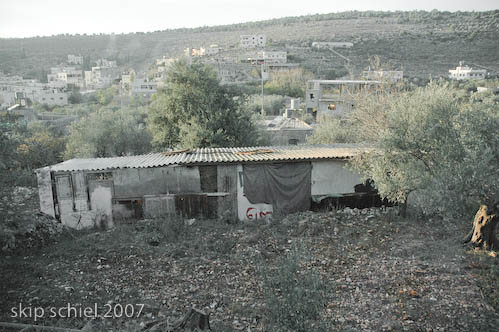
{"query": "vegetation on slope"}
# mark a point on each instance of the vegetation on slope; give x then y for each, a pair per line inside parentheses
(419, 42)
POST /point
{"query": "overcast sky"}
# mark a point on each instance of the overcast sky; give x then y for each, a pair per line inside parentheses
(26, 18)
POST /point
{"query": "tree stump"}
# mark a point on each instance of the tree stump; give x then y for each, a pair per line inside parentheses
(483, 233)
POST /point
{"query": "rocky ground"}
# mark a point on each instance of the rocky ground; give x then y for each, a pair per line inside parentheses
(381, 273)
(21, 225)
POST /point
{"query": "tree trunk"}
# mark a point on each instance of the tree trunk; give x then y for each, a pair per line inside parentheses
(403, 207)
(483, 233)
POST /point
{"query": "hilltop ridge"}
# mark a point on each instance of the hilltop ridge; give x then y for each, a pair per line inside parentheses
(419, 42)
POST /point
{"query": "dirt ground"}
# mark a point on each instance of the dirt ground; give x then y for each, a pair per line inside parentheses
(382, 273)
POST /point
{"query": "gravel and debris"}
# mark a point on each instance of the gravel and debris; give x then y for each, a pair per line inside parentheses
(384, 273)
(22, 226)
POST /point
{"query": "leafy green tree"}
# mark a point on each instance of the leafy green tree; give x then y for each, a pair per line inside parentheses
(476, 175)
(106, 96)
(288, 83)
(444, 147)
(418, 130)
(9, 140)
(75, 97)
(108, 133)
(367, 123)
(331, 74)
(272, 104)
(26, 147)
(330, 131)
(79, 110)
(41, 147)
(196, 111)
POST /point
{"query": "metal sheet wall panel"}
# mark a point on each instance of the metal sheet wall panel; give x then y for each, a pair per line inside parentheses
(155, 181)
(156, 206)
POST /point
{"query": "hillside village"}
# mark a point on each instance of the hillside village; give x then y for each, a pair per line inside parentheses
(249, 54)
(311, 173)
(251, 62)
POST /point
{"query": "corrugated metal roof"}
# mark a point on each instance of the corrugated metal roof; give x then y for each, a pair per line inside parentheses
(215, 156)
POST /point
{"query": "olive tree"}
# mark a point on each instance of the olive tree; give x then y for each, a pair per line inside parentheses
(419, 131)
(437, 142)
(476, 176)
(108, 133)
(195, 110)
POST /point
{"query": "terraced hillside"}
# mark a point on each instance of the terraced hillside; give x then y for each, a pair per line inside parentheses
(421, 43)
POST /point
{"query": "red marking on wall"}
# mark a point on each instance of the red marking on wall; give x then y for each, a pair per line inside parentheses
(253, 213)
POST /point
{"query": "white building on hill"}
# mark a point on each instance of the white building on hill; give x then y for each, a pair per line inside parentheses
(75, 59)
(466, 73)
(67, 75)
(268, 57)
(252, 41)
(16, 90)
(383, 75)
(321, 45)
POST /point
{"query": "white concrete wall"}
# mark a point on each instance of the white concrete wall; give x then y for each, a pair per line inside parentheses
(7, 98)
(45, 191)
(50, 97)
(101, 202)
(332, 177)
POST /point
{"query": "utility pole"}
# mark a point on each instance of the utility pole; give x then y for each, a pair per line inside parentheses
(347, 64)
(262, 70)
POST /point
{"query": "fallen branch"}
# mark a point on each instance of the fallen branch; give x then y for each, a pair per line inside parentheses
(194, 319)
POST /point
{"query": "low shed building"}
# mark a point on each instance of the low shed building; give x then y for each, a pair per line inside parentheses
(284, 130)
(245, 183)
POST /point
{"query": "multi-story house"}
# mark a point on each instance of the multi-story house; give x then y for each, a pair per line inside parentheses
(268, 57)
(463, 72)
(15, 90)
(252, 41)
(75, 59)
(69, 75)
